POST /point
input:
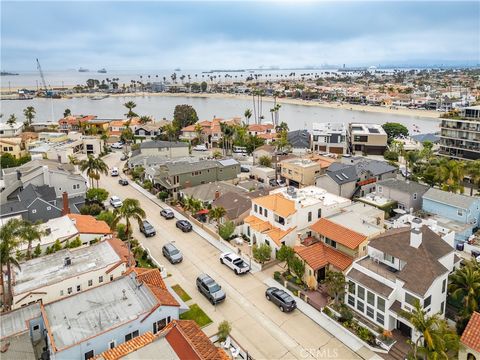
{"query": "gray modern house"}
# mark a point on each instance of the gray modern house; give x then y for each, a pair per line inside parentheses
(407, 194)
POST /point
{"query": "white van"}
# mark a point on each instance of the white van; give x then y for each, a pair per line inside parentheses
(114, 171)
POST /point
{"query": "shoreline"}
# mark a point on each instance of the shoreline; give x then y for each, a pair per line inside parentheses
(426, 114)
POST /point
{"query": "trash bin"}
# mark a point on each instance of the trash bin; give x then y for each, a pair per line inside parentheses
(460, 246)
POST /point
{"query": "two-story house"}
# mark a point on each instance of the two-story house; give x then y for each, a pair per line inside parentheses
(330, 138)
(403, 266)
(284, 215)
(74, 123)
(211, 131)
(463, 211)
(470, 340)
(9, 131)
(263, 131)
(165, 149)
(368, 139)
(407, 194)
(13, 146)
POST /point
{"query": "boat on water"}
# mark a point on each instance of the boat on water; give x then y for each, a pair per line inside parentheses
(83, 70)
(99, 97)
(6, 73)
(102, 71)
(177, 69)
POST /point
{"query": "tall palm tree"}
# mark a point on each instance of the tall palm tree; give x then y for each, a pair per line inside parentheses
(12, 120)
(29, 232)
(130, 105)
(29, 113)
(451, 173)
(89, 166)
(130, 210)
(145, 119)
(101, 168)
(199, 132)
(217, 213)
(465, 286)
(9, 235)
(473, 170)
(248, 115)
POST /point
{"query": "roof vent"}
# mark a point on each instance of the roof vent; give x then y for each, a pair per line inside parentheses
(68, 261)
(124, 296)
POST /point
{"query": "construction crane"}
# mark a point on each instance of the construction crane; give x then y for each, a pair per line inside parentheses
(47, 92)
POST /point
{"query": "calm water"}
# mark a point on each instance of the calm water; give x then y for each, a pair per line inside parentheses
(297, 116)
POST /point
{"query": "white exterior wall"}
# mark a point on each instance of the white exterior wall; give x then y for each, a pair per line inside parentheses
(167, 152)
(53, 291)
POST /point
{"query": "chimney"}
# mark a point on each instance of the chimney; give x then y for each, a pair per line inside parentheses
(46, 175)
(415, 238)
(66, 208)
(416, 223)
(217, 194)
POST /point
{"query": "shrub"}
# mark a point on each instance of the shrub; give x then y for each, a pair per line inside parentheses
(147, 184)
(163, 195)
(265, 161)
(75, 243)
(57, 246)
(345, 314)
(226, 230)
(93, 209)
(390, 155)
(262, 253)
(224, 329)
(121, 231)
(327, 311)
(277, 275)
(37, 252)
(96, 195)
(365, 334)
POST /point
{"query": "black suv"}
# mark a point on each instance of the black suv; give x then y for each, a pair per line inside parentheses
(184, 225)
(210, 289)
(280, 298)
(123, 182)
(147, 229)
(167, 214)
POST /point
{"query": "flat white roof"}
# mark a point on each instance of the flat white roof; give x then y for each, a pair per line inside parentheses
(312, 195)
(51, 269)
(360, 218)
(328, 128)
(16, 126)
(377, 200)
(367, 129)
(88, 313)
(15, 322)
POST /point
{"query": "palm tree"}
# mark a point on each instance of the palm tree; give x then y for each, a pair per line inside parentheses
(101, 168)
(89, 166)
(217, 213)
(473, 170)
(10, 240)
(130, 105)
(199, 132)
(29, 113)
(465, 285)
(248, 115)
(29, 232)
(451, 173)
(129, 210)
(145, 119)
(12, 120)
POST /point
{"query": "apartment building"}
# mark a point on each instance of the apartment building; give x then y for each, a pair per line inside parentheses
(67, 272)
(300, 172)
(284, 216)
(403, 266)
(330, 138)
(460, 138)
(368, 139)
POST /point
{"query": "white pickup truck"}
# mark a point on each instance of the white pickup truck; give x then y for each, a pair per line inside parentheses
(235, 263)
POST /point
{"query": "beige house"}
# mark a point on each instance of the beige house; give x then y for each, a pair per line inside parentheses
(470, 340)
(370, 139)
(300, 172)
(13, 146)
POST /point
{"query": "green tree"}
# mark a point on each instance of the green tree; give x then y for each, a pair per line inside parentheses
(9, 241)
(29, 113)
(127, 135)
(281, 141)
(184, 115)
(473, 171)
(465, 286)
(204, 86)
(28, 233)
(7, 161)
(282, 127)
(67, 113)
(12, 120)
(226, 230)
(450, 175)
(107, 216)
(224, 329)
(298, 267)
(265, 161)
(217, 154)
(170, 131)
(38, 251)
(248, 115)
(390, 155)
(98, 195)
(262, 253)
(130, 210)
(199, 133)
(394, 130)
(286, 254)
(94, 167)
(130, 105)
(335, 283)
(145, 119)
(253, 142)
(216, 213)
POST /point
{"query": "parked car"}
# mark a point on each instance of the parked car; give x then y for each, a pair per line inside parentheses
(244, 169)
(281, 298)
(114, 171)
(172, 253)
(235, 263)
(124, 157)
(184, 225)
(117, 145)
(210, 289)
(147, 229)
(167, 214)
(281, 183)
(116, 202)
(123, 182)
(200, 148)
(272, 182)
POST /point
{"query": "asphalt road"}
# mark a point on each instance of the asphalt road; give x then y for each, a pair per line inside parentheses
(258, 325)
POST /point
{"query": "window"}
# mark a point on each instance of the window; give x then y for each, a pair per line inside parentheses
(267, 242)
(360, 306)
(351, 287)
(100, 279)
(49, 208)
(370, 312)
(34, 211)
(159, 325)
(414, 196)
(361, 292)
(319, 213)
(470, 356)
(248, 231)
(330, 242)
(442, 306)
(111, 344)
(380, 304)
(79, 288)
(380, 318)
(90, 282)
(444, 283)
(371, 298)
(255, 208)
(380, 189)
(69, 290)
(111, 277)
(410, 299)
(265, 212)
(36, 327)
(89, 355)
(309, 216)
(427, 302)
(460, 212)
(260, 210)
(351, 300)
(131, 335)
(389, 258)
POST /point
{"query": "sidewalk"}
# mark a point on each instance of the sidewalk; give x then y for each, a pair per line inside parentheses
(350, 341)
(222, 246)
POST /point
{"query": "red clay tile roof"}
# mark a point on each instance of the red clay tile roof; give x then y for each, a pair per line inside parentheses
(127, 347)
(338, 233)
(318, 255)
(153, 279)
(471, 335)
(87, 224)
(190, 342)
(121, 249)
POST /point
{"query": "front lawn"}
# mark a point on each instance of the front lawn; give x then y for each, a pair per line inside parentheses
(180, 292)
(197, 314)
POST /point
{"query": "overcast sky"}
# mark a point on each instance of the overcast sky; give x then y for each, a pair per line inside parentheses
(229, 35)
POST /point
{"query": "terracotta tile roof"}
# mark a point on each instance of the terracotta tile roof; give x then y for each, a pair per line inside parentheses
(153, 279)
(338, 233)
(264, 227)
(190, 342)
(121, 249)
(318, 255)
(127, 347)
(87, 224)
(257, 224)
(277, 203)
(260, 127)
(277, 234)
(267, 136)
(471, 334)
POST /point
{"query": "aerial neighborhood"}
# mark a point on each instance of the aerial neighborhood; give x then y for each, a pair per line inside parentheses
(117, 236)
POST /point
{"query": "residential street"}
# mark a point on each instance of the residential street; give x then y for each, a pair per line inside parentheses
(258, 325)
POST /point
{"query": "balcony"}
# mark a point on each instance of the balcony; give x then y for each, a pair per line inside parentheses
(379, 268)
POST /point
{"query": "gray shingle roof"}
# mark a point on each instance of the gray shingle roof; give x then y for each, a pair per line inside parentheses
(299, 139)
(31, 192)
(370, 282)
(155, 144)
(457, 200)
(409, 187)
(235, 204)
(180, 167)
(352, 171)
